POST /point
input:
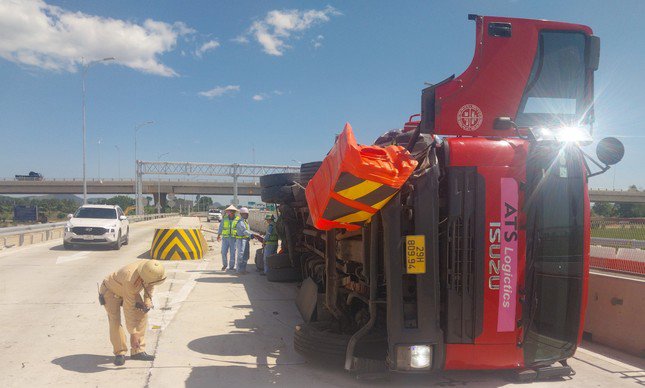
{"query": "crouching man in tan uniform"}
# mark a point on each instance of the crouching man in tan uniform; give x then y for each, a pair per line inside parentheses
(123, 288)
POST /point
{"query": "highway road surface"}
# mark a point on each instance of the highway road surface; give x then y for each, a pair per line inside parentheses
(209, 328)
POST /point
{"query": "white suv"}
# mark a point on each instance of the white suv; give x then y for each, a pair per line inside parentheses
(214, 215)
(97, 225)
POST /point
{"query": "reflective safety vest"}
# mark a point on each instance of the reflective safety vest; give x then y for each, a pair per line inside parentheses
(235, 221)
(271, 237)
(228, 227)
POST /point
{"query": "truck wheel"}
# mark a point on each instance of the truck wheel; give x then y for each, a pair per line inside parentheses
(307, 171)
(317, 340)
(277, 194)
(259, 259)
(283, 275)
(283, 179)
(279, 260)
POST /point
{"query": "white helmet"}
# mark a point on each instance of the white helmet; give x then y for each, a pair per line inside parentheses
(244, 210)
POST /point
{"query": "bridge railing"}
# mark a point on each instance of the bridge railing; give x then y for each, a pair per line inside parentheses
(618, 244)
(16, 236)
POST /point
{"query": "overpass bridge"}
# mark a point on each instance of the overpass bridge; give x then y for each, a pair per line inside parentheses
(207, 187)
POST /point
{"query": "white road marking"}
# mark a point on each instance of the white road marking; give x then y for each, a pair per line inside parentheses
(74, 257)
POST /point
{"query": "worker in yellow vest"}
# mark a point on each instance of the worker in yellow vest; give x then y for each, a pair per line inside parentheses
(227, 235)
(270, 243)
(244, 236)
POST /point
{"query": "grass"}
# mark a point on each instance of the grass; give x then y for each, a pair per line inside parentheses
(637, 233)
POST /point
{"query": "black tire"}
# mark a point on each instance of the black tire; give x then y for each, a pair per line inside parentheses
(277, 194)
(317, 340)
(259, 259)
(67, 246)
(279, 179)
(283, 275)
(307, 171)
(117, 244)
(127, 237)
(279, 260)
(298, 193)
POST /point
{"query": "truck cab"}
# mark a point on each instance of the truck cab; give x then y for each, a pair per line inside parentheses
(480, 260)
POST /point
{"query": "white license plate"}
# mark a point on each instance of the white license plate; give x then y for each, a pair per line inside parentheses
(88, 237)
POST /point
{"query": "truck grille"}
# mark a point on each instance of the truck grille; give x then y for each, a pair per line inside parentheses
(82, 230)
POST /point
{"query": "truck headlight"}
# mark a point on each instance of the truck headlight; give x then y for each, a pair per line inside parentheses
(414, 357)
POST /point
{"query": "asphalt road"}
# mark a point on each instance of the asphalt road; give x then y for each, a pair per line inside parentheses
(208, 329)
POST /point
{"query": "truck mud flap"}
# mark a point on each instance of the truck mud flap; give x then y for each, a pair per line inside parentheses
(413, 314)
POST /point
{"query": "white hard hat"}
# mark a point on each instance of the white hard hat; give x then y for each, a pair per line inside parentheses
(231, 208)
(244, 210)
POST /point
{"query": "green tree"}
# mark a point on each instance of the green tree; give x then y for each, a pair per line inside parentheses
(204, 203)
(604, 209)
(121, 200)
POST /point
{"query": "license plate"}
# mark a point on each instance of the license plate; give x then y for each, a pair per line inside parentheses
(415, 254)
(88, 237)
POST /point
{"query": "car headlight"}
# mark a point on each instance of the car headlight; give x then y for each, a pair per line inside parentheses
(111, 230)
(413, 357)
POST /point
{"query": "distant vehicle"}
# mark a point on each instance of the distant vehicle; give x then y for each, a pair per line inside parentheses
(97, 225)
(214, 215)
(33, 176)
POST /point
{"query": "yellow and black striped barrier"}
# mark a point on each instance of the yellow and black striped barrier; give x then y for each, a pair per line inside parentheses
(178, 244)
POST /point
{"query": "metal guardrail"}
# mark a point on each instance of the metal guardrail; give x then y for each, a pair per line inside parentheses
(17, 235)
(618, 243)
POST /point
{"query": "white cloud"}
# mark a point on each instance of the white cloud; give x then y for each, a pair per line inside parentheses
(317, 42)
(219, 91)
(258, 97)
(277, 27)
(35, 33)
(208, 46)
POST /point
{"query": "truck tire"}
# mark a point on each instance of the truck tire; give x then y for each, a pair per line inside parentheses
(307, 171)
(283, 275)
(298, 193)
(279, 260)
(259, 259)
(277, 194)
(316, 340)
(283, 179)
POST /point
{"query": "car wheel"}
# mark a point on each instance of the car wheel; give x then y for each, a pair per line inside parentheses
(117, 244)
(127, 237)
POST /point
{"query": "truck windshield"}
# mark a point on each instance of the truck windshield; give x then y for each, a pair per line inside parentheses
(556, 92)
(95, 212)
(554, 268)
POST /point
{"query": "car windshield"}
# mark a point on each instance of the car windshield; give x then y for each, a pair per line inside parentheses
(95, 212)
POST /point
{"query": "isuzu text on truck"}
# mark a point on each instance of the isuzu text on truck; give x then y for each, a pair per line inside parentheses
(462, 240)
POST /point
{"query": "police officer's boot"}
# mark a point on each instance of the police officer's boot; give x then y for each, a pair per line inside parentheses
(143, 356)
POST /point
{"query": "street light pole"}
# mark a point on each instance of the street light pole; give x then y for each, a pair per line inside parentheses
(137, 185)
(99, 143)
(159, 183)
(118, 161)
(84, 73)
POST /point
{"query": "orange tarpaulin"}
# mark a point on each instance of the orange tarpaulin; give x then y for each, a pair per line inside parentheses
(356, 181)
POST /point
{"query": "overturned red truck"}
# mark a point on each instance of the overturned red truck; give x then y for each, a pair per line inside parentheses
(462, 240)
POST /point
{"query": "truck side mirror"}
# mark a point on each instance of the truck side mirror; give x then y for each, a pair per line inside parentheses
(610, 151)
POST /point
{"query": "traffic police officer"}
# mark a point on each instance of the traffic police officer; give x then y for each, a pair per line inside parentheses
(226, 234)
(270, 240)
(123, 289)
(244, 235)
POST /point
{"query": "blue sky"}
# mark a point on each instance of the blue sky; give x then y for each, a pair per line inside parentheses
(221, 79)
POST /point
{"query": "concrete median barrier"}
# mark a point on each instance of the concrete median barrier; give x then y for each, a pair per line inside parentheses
(178, 244)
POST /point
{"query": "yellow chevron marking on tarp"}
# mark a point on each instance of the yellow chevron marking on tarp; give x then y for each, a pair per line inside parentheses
(379, 205)
(360, 189)
(362, 215)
